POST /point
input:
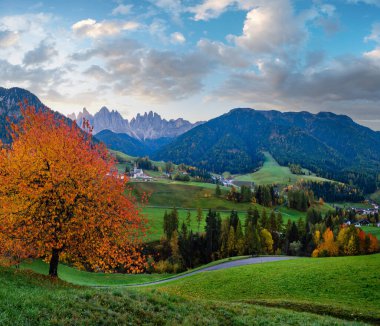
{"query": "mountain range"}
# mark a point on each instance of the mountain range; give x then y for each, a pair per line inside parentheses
(333, 146)
(142, 127)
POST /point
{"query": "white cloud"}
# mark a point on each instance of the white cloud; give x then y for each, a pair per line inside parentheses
(374, 54)
(28, 22)
(122, 10)
(93, 29)
(210, 9)
(44, 53)
(152, 75)
(8, 38)
(272, 27)
(177, 38)
(375, 34)
(172, 7)
(225, 55)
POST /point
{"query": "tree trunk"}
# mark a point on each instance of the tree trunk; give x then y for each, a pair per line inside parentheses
(53, 270)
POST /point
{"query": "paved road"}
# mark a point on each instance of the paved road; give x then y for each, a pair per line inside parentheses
(229, 264)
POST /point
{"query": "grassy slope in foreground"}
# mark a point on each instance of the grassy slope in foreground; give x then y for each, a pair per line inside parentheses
(31, 299)
(342, 286)
(77, 277)
(271, 172)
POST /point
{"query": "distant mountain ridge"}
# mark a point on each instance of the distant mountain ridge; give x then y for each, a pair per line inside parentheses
(9, 107)
(124, 143)
(147, 126)
(331, 145)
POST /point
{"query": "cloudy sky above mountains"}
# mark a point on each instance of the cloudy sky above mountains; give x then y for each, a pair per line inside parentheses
(195, 58)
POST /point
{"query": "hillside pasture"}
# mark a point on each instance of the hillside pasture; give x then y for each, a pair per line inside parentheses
(273, 173)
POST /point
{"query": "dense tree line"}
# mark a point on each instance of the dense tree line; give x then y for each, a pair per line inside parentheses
(333, 191)
(145, 163)
(299, 199)
(181, 177)
(264, 233)
(296, 169)
(265, 195)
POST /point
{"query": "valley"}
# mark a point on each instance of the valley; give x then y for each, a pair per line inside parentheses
(190, 162)
(244, 199)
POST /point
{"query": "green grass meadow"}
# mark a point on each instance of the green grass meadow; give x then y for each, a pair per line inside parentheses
(273, 173)
(27, 298)
(342, 286)
(304, 291)
(85, 278)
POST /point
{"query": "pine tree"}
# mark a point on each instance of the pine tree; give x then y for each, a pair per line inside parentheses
(224, 238)
(279, 221)
(231, 244)
(199, 217)
(234, 219)
(272, 222)
(218, 191)
(264, 219)
(188, 218)
(239, 239)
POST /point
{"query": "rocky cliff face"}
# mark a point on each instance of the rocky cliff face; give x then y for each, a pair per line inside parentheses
(147, 126)
(10, 99)
(152, 126)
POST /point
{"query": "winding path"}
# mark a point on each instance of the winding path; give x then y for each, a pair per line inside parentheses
(225, 265)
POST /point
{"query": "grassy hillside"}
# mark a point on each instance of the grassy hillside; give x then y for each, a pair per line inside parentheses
(343, 286)
(78, 277)
(31, 299)
(273, 173)
(184, 195)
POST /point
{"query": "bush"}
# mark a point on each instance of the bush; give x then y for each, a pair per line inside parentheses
(165, 266)
(295, 248)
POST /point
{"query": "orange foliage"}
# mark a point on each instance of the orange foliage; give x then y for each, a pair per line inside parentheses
(374, 244)
(61, 193)
(328, 246)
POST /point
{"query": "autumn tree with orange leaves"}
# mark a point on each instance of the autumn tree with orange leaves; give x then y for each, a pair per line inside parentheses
(61, 195)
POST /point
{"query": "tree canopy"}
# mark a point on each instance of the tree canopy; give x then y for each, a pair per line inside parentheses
(61, 197)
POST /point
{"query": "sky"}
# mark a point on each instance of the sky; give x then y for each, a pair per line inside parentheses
(195, 59)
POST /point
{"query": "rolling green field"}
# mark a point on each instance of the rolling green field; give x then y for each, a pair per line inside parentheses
(342, 286)
(78, 277)
(273, 173)
(185, 195)
(27, 298)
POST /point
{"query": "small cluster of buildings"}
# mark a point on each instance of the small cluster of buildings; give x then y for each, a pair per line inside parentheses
(366, 214)
(139, 175)
(366, 211)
